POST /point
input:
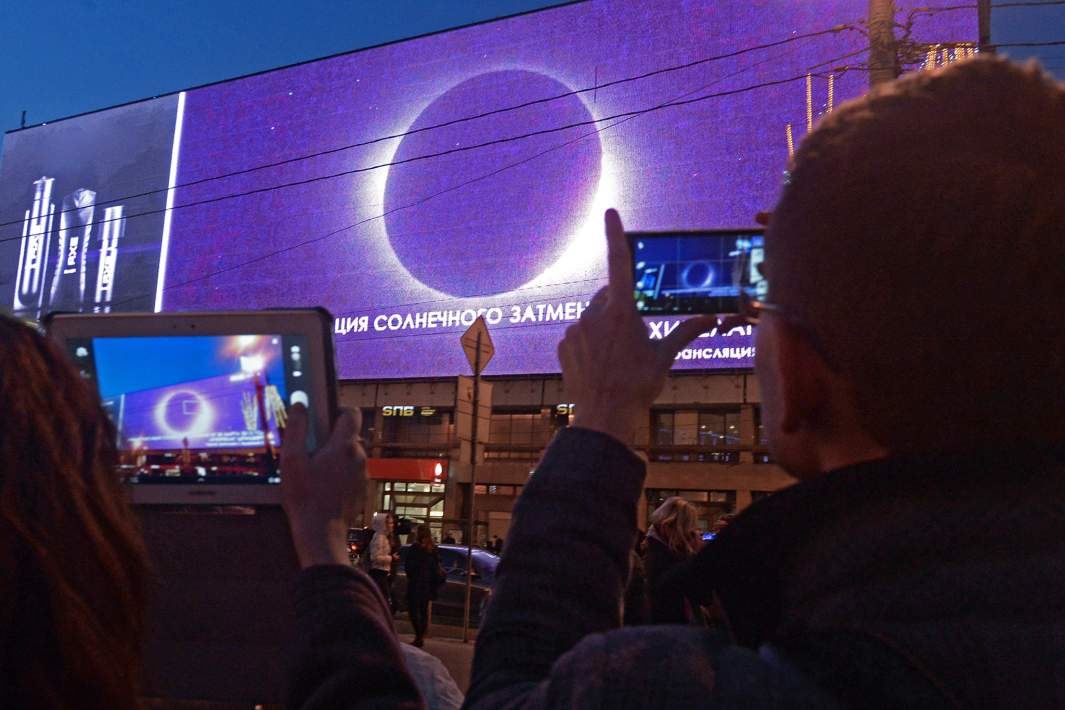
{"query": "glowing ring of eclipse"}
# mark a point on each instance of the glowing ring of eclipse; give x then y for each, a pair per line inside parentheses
(200, 425)
(686, 273)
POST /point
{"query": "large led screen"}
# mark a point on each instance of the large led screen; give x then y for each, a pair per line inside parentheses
(410, 187)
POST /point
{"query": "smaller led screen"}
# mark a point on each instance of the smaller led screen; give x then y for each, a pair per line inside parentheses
(205, 408)
(695, 272)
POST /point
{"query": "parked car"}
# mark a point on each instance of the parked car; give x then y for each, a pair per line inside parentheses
(358, 541)
(451, 600)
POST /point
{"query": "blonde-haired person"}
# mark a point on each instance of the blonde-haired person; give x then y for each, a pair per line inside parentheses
(671, 541)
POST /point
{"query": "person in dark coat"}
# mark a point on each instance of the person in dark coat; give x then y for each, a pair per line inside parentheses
(637, 607)
(910, 333)
(671, 541)
(424, 576)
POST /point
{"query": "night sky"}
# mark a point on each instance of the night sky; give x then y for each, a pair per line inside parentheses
(70, 56)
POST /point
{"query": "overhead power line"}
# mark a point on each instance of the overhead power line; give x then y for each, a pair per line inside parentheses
(974, 6)
(328, 235)
(210, 275)
(450, 151)
(485, 114)
(1050, 43)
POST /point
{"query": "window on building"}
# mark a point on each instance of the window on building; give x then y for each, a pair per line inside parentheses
(760, 437)
(521, 428)
(426, 426)
(709, 505)
(663, 427)
(492, 489)
(367, 431)
(719, 427)
(417, 502)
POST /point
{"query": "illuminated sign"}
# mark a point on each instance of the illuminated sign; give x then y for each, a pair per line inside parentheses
(397, 411)
(424, 470)
(407, 410)
(413, 187)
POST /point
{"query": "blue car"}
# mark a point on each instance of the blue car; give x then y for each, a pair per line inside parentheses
(452, 597)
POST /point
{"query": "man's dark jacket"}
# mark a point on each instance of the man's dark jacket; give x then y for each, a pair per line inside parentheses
(927, 581)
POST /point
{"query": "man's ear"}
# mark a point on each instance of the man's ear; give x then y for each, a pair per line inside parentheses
(803, 379)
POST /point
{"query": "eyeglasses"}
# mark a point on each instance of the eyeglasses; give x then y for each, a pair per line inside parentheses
(752, 287)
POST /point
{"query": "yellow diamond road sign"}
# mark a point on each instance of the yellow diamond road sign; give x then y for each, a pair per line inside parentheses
(477, 337)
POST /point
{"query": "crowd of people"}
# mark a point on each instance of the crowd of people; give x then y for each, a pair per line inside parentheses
(908, 355)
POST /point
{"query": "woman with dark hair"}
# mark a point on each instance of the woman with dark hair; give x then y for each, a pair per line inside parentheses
(424, 576)
(75, 573)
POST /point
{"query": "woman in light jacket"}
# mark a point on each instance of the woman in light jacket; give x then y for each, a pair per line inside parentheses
(381, 556)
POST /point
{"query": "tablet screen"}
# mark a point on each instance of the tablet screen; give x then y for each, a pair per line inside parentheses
(197, 409)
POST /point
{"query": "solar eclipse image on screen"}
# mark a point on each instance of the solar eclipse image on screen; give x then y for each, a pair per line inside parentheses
(695, 272)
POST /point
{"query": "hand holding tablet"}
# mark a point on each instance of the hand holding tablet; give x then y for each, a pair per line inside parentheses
(199, 400)
(321, 492)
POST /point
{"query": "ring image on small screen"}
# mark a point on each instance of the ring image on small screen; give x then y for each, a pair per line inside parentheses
(197, 409)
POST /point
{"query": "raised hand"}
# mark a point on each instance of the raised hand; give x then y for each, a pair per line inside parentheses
(321, 493)
(612, 371)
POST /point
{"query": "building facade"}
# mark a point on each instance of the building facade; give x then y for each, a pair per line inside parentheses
(702, 439)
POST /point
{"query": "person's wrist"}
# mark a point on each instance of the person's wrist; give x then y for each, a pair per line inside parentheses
(321, 544)
(618, 423)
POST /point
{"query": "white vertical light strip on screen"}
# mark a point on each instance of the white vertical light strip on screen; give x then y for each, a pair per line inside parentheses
(168, 215)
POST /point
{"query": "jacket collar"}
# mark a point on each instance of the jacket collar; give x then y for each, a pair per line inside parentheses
(777, 549)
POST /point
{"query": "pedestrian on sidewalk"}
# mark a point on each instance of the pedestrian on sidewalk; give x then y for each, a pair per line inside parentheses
(424, 577)
(381, 555)
(671, 541)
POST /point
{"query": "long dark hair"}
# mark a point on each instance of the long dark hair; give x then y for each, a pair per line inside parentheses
(74, 593)
(424, 537)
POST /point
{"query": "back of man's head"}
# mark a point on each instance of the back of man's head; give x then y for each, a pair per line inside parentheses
(922, 240)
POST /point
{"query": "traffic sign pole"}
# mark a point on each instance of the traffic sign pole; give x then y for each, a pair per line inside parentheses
(477, 344)
(473, 492)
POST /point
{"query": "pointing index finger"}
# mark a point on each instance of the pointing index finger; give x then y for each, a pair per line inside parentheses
(619, 259)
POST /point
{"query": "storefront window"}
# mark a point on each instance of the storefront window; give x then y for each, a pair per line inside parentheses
(415, 501)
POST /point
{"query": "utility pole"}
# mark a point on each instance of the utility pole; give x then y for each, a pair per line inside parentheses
(473, 493)
(883, 55)
(477, 344)
(983, 9)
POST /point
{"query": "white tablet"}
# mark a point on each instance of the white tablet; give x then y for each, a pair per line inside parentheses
(199, 400)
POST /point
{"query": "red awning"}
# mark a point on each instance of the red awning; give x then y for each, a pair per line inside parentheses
(419, 470)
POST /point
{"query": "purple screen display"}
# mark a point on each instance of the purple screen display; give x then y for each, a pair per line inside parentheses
(466, 172)
(213, 413)
(203, 392)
